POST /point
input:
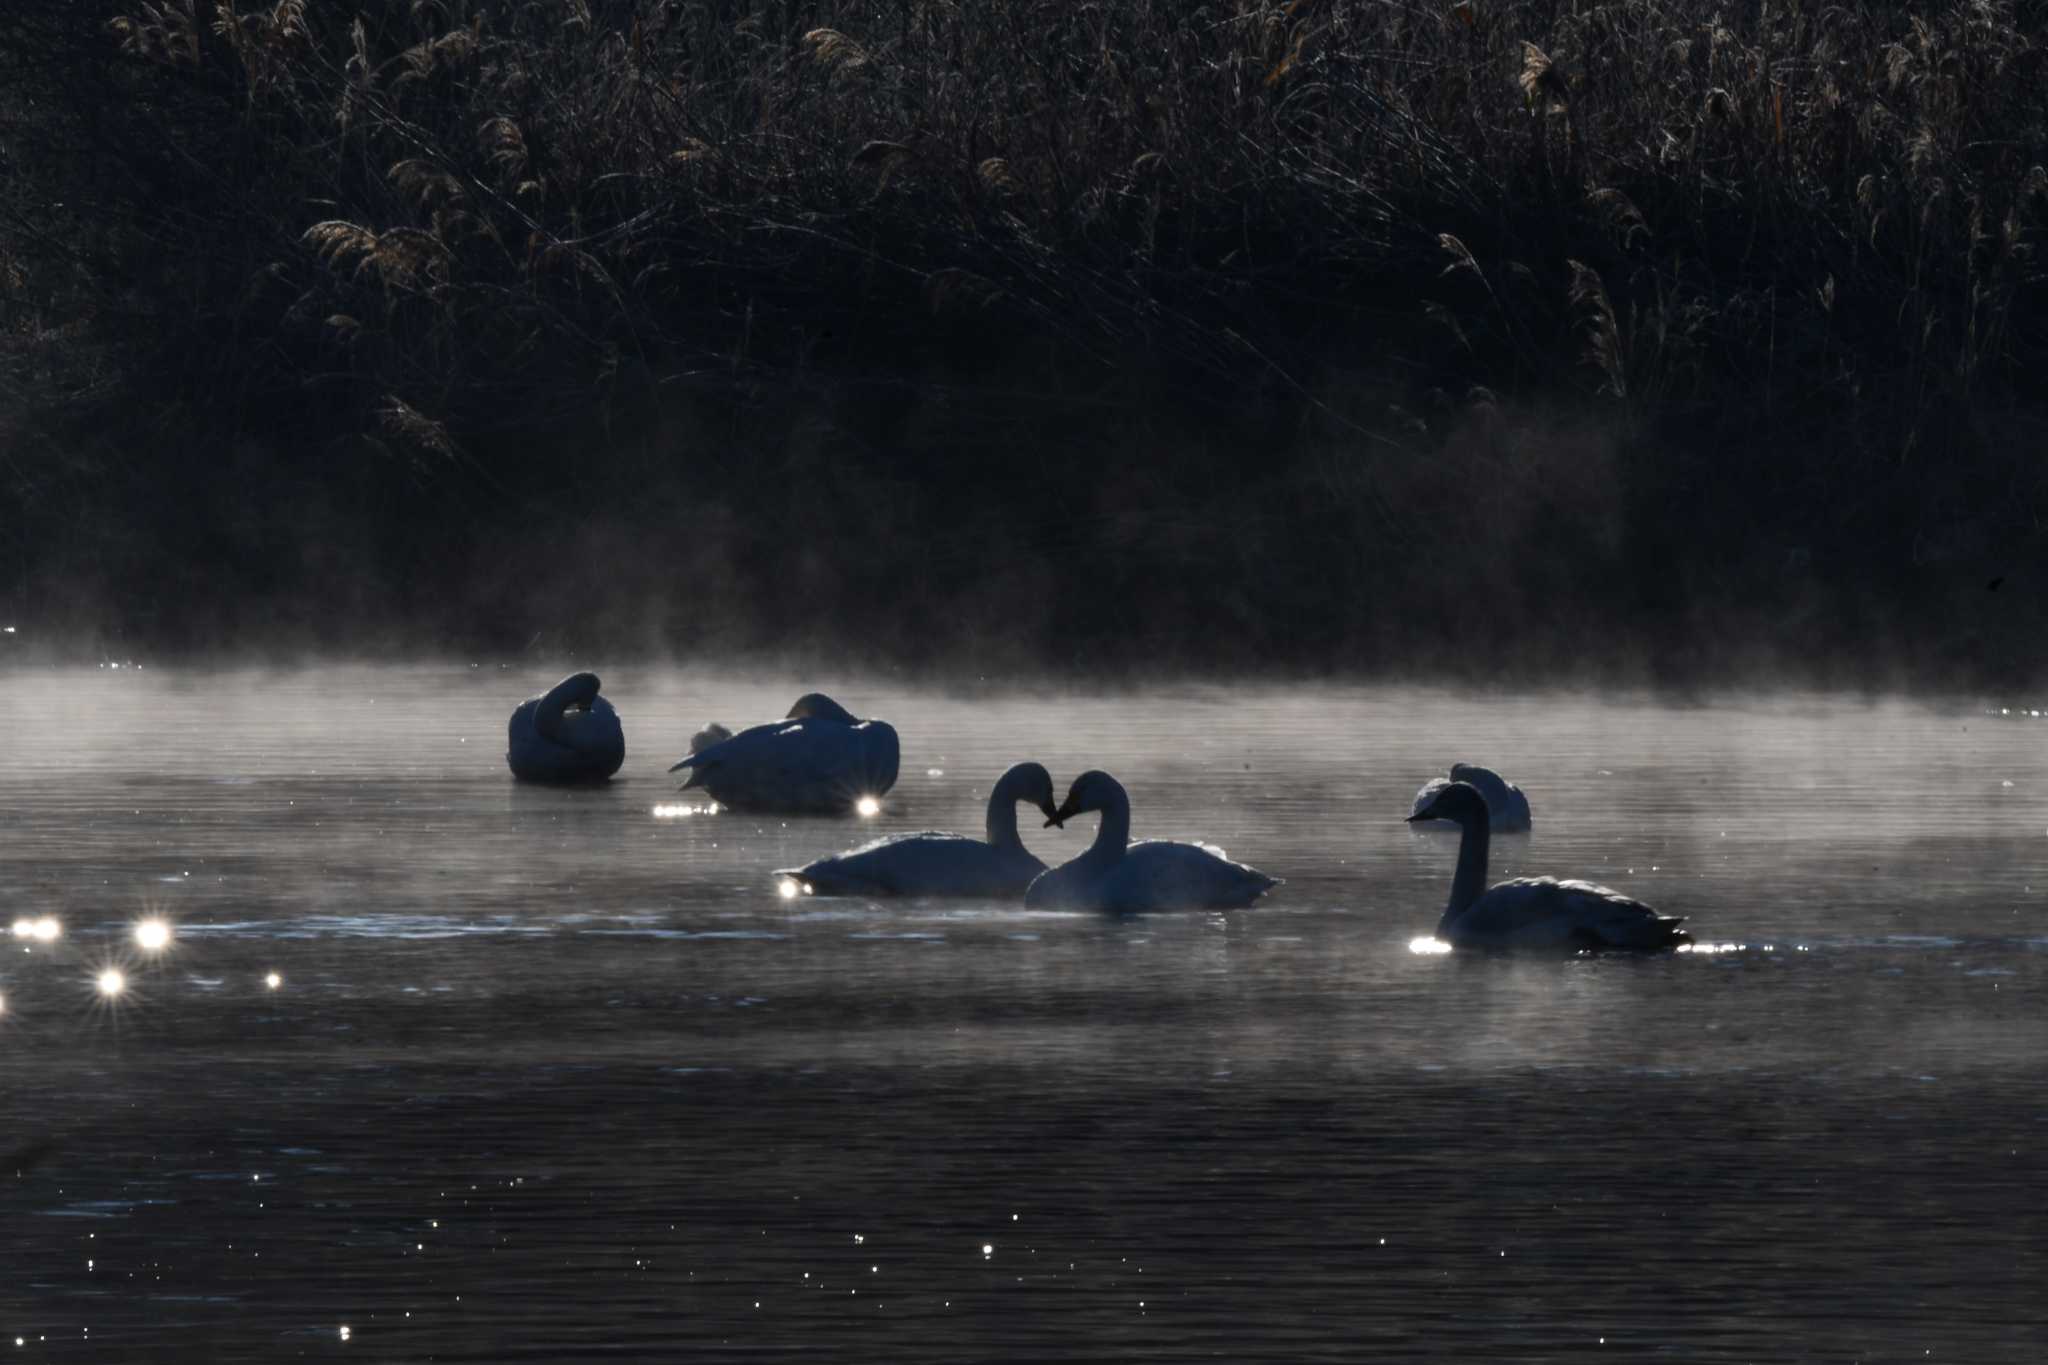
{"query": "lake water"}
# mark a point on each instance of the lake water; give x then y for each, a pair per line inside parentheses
(556, 1075)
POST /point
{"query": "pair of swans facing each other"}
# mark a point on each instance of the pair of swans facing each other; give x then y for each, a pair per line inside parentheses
(1114, 875)
(818, 759)
(1536, 914)
(566, 734)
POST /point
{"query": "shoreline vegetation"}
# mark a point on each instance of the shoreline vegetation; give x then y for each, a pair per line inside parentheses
(1568, 340)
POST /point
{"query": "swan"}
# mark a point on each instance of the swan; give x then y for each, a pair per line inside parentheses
(1504, 800)
(566, 734)
(817, 758)
(933, 864)
(1126, 878)
(1534, 912)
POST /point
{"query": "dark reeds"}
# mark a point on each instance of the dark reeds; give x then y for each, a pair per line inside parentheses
(1305, 334)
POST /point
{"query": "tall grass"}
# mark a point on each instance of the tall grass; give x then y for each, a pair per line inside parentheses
(1315, 330)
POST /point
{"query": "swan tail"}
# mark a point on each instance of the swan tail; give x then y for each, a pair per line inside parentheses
(698, 775)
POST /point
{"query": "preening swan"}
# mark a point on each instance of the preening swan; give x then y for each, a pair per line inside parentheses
(934, 864)
(566, 734)
(1125, 878)
(1504, 800)
(1534, 912)
(817, 758)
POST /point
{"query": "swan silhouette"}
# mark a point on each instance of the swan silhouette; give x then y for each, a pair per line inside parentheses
(1505, 803)
(566, 734)
(1125, 878)
(818, 758)
(1534, 912)
(934, 864)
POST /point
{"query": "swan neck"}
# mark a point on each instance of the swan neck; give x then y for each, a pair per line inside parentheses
(1469, 884)
(1001, 825)
(574, 690)
(1114, 834)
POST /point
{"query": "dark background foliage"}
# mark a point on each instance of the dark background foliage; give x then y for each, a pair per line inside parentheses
(1562, 339)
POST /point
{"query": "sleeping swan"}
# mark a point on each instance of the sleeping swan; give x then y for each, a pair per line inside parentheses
(817, 758)
(934, 864)
(1504, 800)
(1534, 912)
(567, 734)
(1125, 878)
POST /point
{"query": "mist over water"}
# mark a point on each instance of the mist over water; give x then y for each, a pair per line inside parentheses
(549, 1074)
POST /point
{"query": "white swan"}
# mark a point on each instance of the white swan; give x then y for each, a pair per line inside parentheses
(817, 758)
(566, 734)
(1534, 912)
(1125, 878)
(933, 864)
(1504, 800)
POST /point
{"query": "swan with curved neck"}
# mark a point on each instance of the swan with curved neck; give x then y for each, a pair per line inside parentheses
(1125, 878)
(1507, 807)
(819, 758)
(567, 734)
(936, 864)
(1538, 913)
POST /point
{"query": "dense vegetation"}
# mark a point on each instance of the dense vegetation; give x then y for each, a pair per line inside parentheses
(1325, 333)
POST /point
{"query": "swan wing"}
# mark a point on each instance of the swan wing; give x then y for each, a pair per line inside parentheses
(926, 864)
(1153, 874)
(1164, 874)
(1543, 912)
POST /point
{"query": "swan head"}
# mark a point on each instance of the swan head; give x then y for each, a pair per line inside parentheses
(1459, 801)
(714, 733)
(1034, 784)
(1093, 790)
(818, 706)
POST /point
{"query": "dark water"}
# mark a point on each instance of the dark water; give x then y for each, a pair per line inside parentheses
(557, 1076)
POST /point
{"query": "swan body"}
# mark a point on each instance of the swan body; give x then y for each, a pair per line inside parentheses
(818, 758)
(1123, 878)
(566, 734)
(1534, 913)
(934, 864)
(1505, 803)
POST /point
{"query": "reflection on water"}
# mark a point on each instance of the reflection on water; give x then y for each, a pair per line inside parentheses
(481, 1072)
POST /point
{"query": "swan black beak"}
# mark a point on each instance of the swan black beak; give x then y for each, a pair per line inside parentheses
(1059, 817)
(1419, 815)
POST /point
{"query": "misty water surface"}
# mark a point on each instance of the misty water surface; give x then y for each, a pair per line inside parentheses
(556, 1075)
